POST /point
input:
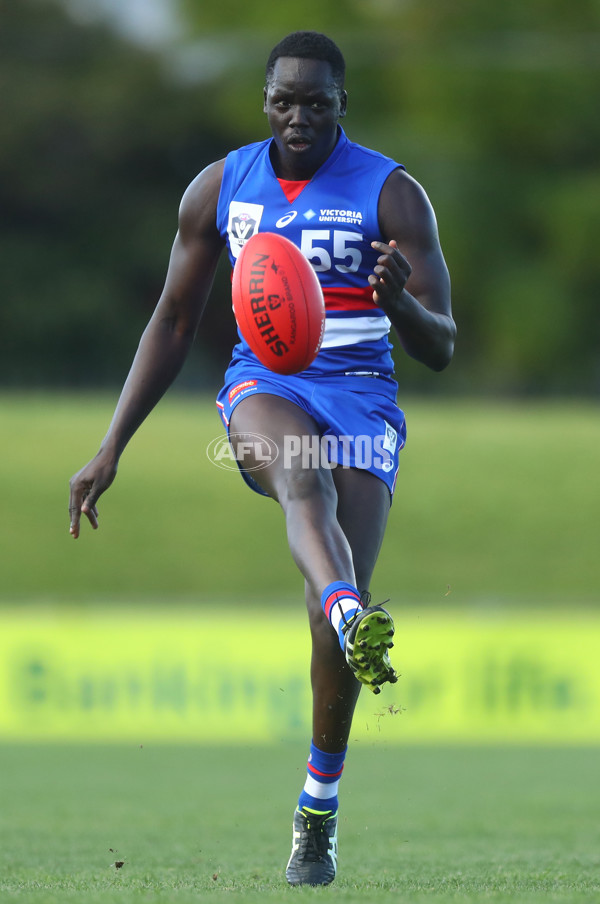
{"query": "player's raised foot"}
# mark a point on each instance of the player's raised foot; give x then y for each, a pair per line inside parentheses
(368, 637)
(314, 848)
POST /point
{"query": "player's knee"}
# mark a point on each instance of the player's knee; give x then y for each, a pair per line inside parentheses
(310, 484)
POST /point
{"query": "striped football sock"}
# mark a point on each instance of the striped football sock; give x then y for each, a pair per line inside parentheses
(320, 792)
(340, 601)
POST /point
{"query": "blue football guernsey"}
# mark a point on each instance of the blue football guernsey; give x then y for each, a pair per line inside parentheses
(333, 221)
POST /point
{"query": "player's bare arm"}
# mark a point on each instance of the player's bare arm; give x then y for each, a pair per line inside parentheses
(165, 342)
(411, 281)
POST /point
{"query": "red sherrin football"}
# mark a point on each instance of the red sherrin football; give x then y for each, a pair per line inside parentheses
(278, 303)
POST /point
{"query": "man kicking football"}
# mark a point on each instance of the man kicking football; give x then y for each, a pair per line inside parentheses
(370, 232)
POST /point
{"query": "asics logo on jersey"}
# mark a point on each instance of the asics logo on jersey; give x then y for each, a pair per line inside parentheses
(286, 219)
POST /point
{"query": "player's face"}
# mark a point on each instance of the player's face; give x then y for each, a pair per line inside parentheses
(303, 105)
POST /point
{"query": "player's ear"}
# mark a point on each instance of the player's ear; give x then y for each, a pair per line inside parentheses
(265, 99)
(343, 103)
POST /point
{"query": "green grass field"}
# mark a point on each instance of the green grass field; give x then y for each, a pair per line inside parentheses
(495, 507)
(443, 825)
(494, 501)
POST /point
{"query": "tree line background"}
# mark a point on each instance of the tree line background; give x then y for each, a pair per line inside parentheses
(492, 107)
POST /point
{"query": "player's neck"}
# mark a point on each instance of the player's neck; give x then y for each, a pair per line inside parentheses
(294, 170)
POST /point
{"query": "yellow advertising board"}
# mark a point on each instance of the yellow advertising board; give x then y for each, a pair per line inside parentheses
(221, 675)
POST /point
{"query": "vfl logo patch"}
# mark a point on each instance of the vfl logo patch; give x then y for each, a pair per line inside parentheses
(243, 227)
(244, 220)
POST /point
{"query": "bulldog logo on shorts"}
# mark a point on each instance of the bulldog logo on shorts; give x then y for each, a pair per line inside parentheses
(391, 438)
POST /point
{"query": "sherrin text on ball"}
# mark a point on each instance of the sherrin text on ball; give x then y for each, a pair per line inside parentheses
(278, 303)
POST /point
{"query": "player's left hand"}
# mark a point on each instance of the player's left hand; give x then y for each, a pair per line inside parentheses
(390, 274)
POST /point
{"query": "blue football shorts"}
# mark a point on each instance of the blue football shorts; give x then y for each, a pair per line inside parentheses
(359, 422)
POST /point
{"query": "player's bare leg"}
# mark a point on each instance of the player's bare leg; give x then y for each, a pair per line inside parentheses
(363, 508)
(307, 494)
(335, 523)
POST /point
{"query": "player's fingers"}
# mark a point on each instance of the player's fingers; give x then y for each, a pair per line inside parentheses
(387, 272)
(382, 247)
(76, 495)
(86, 488)
(399, 258)
(390, 254)
(74, 515)
(91, 513)
(90, 498)
(387, 264)
(375, 283)
(82, 500)
(388, 250)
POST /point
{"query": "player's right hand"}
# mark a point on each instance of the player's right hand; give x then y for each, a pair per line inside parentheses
(86, 487)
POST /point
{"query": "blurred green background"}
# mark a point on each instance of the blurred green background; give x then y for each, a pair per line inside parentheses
(496, 505)
(110, 109)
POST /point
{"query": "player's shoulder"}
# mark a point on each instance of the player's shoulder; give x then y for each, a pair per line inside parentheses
(207, 183)
(252, 149)
(240, 161)
(369, 154)
(404, 207)
(404, 188)
(200, 198)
